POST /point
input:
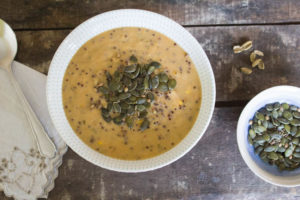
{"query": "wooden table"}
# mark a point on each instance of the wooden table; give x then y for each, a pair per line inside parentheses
(213, 169)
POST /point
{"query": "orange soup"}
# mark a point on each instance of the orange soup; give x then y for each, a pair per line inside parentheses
(171, 114)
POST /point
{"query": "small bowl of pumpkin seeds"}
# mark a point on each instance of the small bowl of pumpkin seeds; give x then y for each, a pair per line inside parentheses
(268, 135)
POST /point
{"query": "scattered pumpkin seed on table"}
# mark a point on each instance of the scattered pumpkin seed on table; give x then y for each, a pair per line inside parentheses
(274, 133)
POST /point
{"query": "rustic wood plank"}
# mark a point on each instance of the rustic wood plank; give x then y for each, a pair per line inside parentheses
(212, 170)
(281, 45)
(32, 14)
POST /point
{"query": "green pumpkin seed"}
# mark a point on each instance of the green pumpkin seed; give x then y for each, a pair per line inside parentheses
(143, 114)
(140, 107)
(295, 141)
(296, 154)
(124, 96)
(281, 127)
(255, 128)
(163, 77)
(263, 154)
(172, 84)
(293, 130)
(275, 114)
(259, 116)
(259, 122)
(134, 74)
(281, 149)
(298, 133)
(117, 107)
(129, 121)
(114, 85)
(104, 112)
(252, 133)
(150, 96)
(150, 70)
(130, 110)
(285, 106)
(270, 125)
(265, 124)
(133, 59)
(296, 115)
(273, 156)
(255, 144)
(275, 136)
(288, 152)
(297, 149)
(124, 106)
(261, 129)
(250, 141)
(155, 64)
(113, 99)
(295, 122)
(132, 86)
(141, 100)
(269, 107)
(283, 120)
(145, 124)
(110, 107)
(130, 68)
(103, 90)
(118, 76)
(134, 93)
(107, 119)
(163, 87)
(288, 115)
(276, 122)
(118, 120)
(258, 149)
(271, 148)
(126, 81)
(155, 82)
(276, 106)
(266, 137)
(280, 113)
(146, 83)
(287, 128)
(288, 161)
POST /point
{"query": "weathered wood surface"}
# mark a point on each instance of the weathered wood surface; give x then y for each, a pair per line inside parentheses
(37, 14)
(281, 45)
(212, 170)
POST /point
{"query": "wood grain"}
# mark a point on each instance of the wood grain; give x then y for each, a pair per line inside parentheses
(46, 14)
(212, 170)
(281, 45)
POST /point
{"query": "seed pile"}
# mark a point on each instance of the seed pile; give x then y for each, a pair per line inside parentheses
(275, 132)
(130, 91)
(255, 57)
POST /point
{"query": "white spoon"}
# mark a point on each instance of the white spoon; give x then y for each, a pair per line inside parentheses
(8, 50)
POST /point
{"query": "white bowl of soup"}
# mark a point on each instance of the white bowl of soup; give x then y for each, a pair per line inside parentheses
(177, 118)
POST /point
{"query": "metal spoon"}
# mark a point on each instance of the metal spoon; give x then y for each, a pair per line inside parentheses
(8, 50)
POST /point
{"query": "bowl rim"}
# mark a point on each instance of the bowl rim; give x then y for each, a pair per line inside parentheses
(86, 152)
(261, 173)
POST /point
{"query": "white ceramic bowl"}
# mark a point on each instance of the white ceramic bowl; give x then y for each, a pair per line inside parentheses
(271, 174)
(128, 18)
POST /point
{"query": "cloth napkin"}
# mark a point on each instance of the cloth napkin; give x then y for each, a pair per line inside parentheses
(24, 173)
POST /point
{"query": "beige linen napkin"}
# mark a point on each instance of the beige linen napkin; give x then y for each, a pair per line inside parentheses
(24, 173)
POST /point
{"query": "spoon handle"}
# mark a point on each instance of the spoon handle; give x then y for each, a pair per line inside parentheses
(44, 143)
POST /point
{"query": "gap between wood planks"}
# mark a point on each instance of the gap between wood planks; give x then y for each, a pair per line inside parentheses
(186, 26)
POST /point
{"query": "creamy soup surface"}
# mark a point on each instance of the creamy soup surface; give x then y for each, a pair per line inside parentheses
(171, 115)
